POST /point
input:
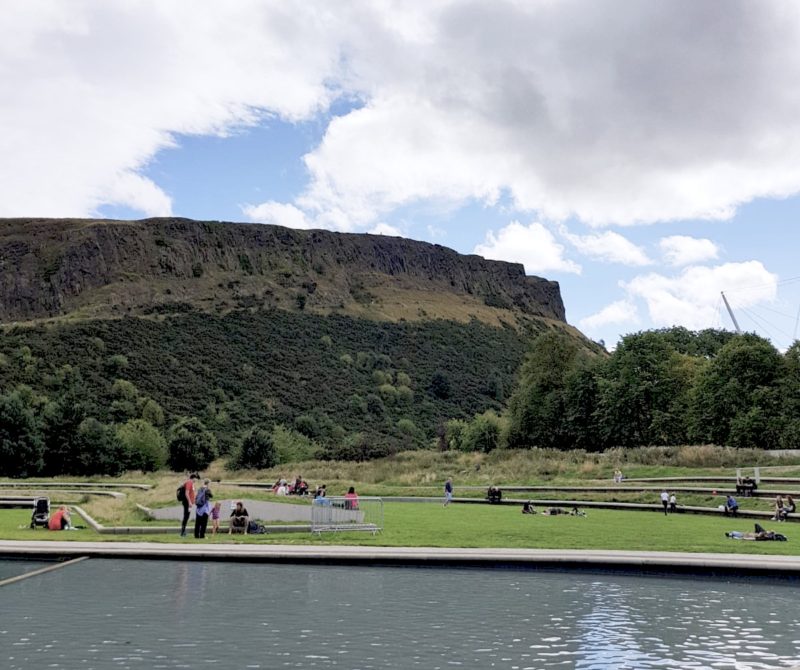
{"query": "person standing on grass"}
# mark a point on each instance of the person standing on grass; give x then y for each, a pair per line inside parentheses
(665, 500)
(448, 491)
(203, 509)
(673, 504)
(186, 496)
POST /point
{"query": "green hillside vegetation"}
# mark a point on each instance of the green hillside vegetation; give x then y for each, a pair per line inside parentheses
(100, 396)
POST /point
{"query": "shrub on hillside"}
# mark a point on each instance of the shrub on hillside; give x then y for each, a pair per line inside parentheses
(191, 446)
(256, 451)
(144, 446)
(357, 447)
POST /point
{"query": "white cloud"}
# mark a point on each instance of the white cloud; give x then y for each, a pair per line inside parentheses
(606, 111)
(692, 297)
(621, 311)
(385, 229)
(96, 89)
(279, 214)
(609, 247)
(684, 250)
(534, 246)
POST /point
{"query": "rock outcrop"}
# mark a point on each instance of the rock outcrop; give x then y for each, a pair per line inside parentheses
(56, 267)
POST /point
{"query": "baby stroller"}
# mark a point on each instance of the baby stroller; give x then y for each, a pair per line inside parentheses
(41, 513)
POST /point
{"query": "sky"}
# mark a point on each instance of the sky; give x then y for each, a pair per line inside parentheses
(645, 155)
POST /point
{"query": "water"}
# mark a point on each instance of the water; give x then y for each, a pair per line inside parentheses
(12, 567)
(162, 614)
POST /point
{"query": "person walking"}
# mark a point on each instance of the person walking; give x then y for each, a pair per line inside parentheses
(186, 497)
(665, 501)
(673, 504)
(448, 491)
(202, 510)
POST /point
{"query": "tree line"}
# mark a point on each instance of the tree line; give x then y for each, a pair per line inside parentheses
(658, 387)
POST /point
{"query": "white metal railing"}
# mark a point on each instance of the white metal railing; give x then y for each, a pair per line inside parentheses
(337, 513)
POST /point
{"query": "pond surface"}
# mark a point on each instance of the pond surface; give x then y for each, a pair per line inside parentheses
(13, 567)
(165, 614)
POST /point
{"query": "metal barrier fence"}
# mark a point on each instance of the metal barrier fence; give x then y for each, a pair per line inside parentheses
(336, 513)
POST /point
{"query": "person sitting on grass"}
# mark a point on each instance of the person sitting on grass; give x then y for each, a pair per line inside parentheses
(60, 520)
(576, 512)
(527, 508)
(239, 519)
(731, 506)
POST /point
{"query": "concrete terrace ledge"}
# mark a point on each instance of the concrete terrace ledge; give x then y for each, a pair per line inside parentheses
(646, 561)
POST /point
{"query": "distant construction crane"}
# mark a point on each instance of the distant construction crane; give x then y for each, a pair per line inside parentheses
(730, 311)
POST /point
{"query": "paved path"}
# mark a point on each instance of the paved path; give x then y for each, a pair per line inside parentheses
(260, 510)
(656, 561)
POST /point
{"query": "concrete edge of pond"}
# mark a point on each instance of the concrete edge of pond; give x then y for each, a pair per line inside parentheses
(642, 561)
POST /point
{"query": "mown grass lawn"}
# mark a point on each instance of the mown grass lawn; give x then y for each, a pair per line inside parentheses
(431, 525)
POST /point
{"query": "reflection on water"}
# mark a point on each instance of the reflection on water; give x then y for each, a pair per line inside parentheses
(160, 614)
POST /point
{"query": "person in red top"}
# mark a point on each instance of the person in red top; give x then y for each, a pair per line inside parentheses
(188, 500)
(59, 520)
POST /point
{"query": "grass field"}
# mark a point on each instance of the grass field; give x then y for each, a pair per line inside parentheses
(421, 473)
(431, 525)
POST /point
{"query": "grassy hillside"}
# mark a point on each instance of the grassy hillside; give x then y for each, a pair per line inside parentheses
(325, 375)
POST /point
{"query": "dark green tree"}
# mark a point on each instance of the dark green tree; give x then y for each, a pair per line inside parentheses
(537, 406)
(256, 451)
(21, 444)
(191, 446)
(736, 382)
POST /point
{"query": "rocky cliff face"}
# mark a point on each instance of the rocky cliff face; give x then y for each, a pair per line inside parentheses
(52, 267)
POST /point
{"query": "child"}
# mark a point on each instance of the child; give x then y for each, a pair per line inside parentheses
(215, 518)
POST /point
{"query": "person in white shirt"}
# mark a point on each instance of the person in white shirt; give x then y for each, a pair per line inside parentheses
(673, 504)
(665, 501)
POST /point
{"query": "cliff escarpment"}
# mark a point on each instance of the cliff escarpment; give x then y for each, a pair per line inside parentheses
(102, 268)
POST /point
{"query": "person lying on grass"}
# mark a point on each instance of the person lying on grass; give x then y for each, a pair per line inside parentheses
(759, 535)
(555, 511)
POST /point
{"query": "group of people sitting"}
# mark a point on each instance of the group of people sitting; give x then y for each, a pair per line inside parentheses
(282, 488)
(745, 486)
(350, 498)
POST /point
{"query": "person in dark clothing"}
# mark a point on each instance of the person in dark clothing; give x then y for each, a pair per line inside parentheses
(187, 500)
(240, 519)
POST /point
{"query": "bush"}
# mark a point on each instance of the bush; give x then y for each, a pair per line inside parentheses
(440, 385)
(405, 395)
(291, 446)
(144, 446)
(99, 452)
(191, 445)
(257, 451)
(454, 431)
(357, 447)
(484, 433)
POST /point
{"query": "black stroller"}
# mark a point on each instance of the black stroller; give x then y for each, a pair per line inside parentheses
(41, 513)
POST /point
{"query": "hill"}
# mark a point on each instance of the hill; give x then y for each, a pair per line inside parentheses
(97, 268)
(356, 344)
